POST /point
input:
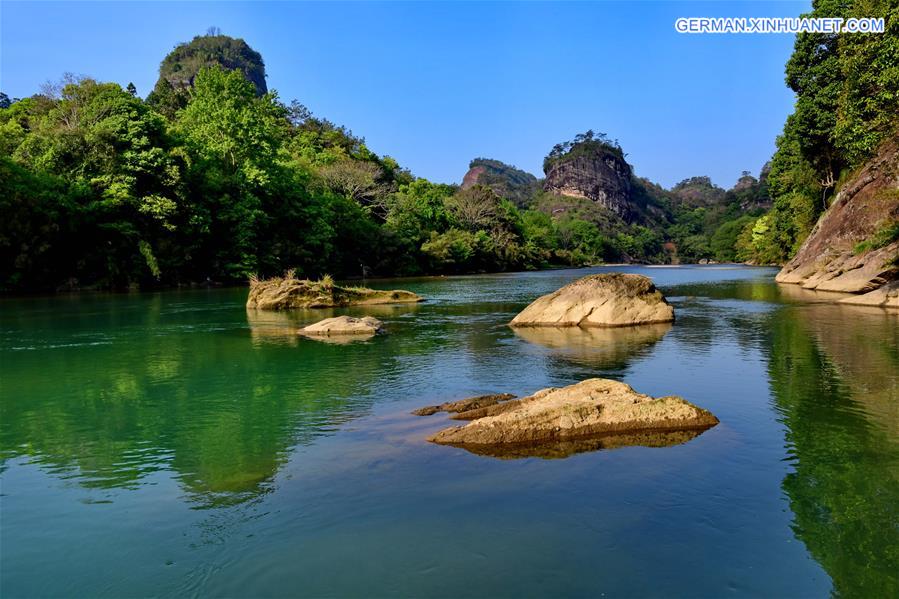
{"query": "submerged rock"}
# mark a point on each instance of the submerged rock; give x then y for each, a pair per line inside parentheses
(465, 405)
(590, 409)
(344, 325)
(603, 300)
(288, 292)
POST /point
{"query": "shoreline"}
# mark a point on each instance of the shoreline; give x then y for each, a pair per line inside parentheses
(87, 291)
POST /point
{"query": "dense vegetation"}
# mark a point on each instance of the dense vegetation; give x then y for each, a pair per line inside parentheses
(847, 104)
(211, 178)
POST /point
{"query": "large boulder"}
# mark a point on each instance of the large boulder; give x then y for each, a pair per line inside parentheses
(284, 293)
(344, 325)
(589, 409)
(603, 300)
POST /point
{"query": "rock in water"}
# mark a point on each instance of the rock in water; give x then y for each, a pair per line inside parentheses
(603, 300)
(344, 325)
(589, 409)
(464, 405)
(285, 293)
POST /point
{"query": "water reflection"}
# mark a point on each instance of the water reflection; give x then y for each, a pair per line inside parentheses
(173, 389)
(835, 381)
(596, 346)
(569, 447)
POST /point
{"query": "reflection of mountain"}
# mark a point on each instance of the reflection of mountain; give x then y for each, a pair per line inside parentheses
(834, 374)
(595, 346)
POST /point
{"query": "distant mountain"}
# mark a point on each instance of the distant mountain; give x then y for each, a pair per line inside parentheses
(698, 192)
(509, 182)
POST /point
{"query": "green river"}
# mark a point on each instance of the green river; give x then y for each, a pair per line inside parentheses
(172, 444)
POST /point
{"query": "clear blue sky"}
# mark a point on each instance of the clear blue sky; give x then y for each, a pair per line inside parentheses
(435, 85)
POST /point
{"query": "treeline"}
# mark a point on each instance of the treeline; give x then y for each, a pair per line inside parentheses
(847, 104)
(99, 187)
(211, 181)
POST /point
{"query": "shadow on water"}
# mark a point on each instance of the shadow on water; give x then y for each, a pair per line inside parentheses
(836, 386)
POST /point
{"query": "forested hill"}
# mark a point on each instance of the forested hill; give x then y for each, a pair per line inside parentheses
(213, 178)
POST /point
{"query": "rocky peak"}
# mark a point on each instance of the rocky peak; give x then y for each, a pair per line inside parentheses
(590, 168)
(183, 63)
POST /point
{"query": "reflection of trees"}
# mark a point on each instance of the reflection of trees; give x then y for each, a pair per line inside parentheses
(188, 393)
(834, 373)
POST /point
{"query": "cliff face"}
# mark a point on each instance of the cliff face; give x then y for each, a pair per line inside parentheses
(600, 175)
(854, 247)
(508, 182)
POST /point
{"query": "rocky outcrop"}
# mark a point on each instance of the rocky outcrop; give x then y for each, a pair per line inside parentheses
(886, 296)
(589, 409)
(603, 300)
(344, 325)
(183, 63)
(465, 405)
(508, 182)
(853, 247)
(594, 171)
(284, 293)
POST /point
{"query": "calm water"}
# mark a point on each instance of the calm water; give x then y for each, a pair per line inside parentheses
(173, 444)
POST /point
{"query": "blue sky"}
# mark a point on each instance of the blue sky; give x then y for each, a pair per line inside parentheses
(437, 84)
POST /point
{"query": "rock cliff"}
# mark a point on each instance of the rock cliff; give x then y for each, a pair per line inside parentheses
(595, 171)
(854, 247)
